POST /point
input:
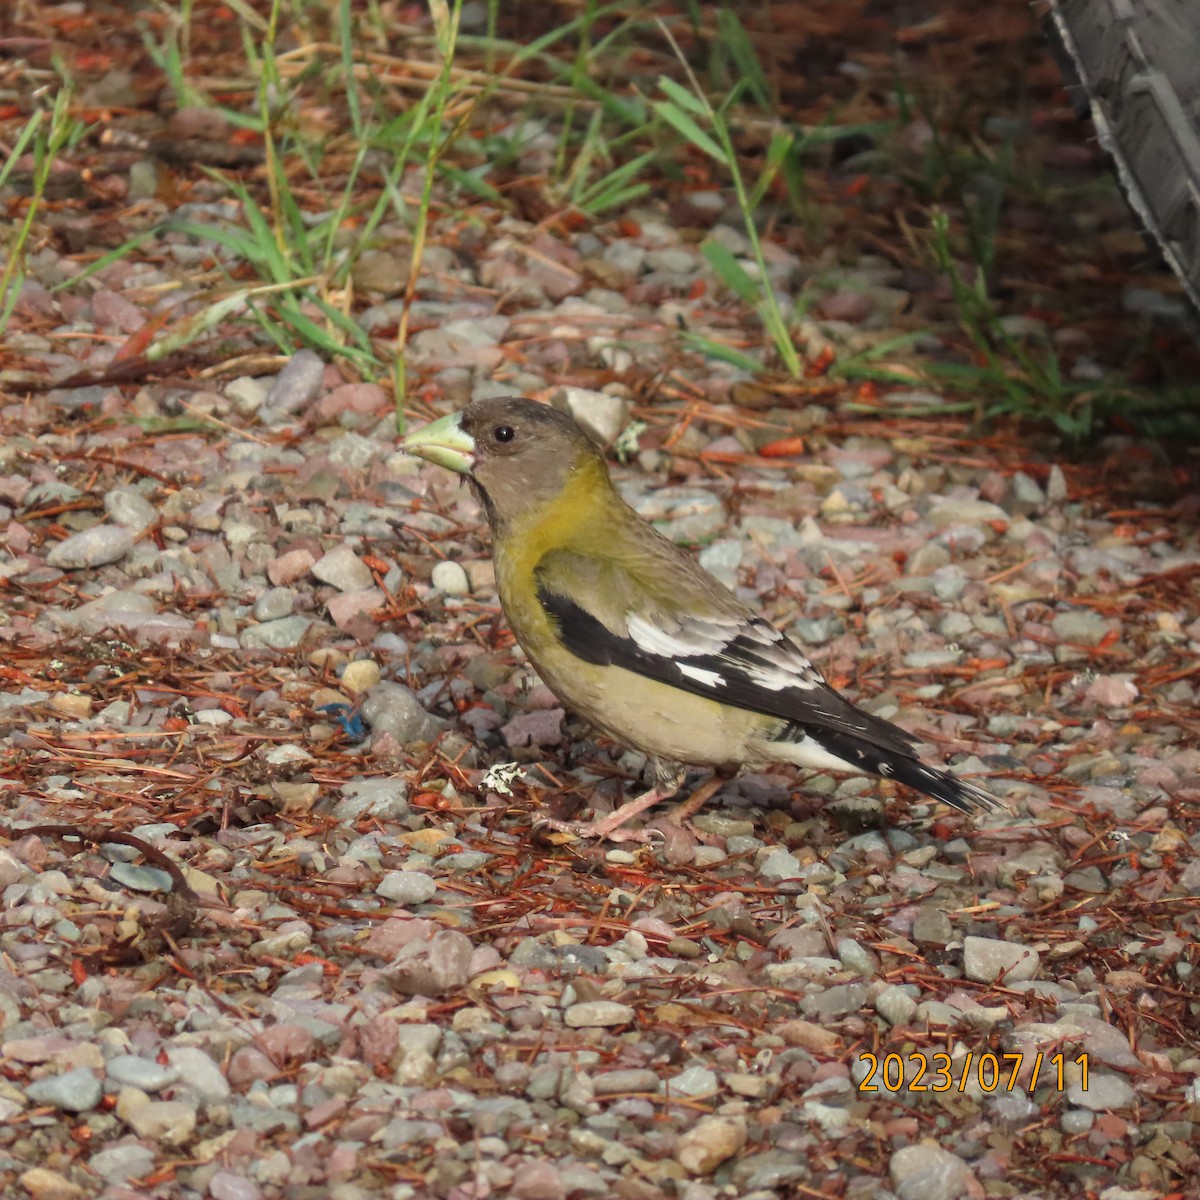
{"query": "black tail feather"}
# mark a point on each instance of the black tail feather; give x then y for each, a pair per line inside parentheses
(885, 763)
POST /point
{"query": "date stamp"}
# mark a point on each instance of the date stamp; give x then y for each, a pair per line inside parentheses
(922, 1072)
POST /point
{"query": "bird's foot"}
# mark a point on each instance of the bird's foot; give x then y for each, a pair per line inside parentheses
(601, 830)
(611, 828)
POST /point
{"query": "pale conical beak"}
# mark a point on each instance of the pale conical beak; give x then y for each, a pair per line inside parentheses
(444, 442)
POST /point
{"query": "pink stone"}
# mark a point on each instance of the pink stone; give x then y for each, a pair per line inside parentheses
(289, 567)
(377, 1040)
(344, 608)
(249, 1064)
(388, 939)
(352, 398)
(286, 1043)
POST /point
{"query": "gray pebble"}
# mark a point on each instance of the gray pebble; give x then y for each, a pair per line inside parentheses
(274, 603)
(386, 799)
(247, 394)
(816, 631)
(626, 256)
(673, 259)
(683, 514)
(1018, 325)
(354, 451)
(432, 968)
(144, 1073)
(589, 1014)
(767, 1174)
(927, 1172)
(835, 1001)
(1011, 1106)
(1104, 1091)
(988, 959)
(947, 511)
(343, 569)
(722, 825)
(1087, 879)
(143, 179)
(168, 1121)
(111, 608)
(229, 1185)
(468, 861)
(599, 415)
(283, 634)
(1081, 625)
(949, 583)
(694, 1081)
(120, 1163)
(141, 879)
(450, 579)
(1027, 490)
(199, 1073)
(73, 1091)
(1056, 485)
(633, 1079)
(926, 559)
(856, 957)
(406, 887)
(93, 548)
(129, 508)
(936, 1012)
(922, 659)
(1076, 1120)
(779, 864)
(298, 384)
(895, 1005)
(932, 926)
(454, 341)
(722, 559)
(393, 708)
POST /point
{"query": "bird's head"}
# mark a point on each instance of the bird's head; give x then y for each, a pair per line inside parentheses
(518, 455)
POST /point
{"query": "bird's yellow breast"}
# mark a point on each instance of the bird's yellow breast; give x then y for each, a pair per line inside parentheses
(575, 520)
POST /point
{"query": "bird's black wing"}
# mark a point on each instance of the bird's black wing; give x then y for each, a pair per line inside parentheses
(744, 663)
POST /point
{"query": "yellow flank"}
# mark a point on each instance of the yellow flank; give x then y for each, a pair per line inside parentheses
(662, 721)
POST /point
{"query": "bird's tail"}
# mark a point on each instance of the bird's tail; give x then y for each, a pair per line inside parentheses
(894, 761)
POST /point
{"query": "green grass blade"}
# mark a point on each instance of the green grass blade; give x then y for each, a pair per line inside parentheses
(722, 352)
(782, 141)
(108, 259)
(682, 98)
(731, 272)
(690, 131)
(27, 134)
(736, 41)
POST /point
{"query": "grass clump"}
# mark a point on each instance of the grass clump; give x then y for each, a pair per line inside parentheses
(49, 132)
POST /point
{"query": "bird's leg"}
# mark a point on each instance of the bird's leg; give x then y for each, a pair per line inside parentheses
(696, 801)
(610, 827)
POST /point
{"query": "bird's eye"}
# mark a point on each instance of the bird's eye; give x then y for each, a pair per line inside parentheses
(504, 433)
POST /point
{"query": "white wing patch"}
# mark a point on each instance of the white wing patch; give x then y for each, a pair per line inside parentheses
(712, 679)
(722, 654)
(688, 640)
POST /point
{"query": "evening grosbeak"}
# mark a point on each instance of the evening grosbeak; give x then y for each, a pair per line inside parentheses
(633, 634)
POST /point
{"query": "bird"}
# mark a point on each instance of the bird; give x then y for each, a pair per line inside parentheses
(627, 629)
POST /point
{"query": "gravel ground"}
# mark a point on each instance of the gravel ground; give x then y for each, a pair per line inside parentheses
(332, 959)
(275, 922)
